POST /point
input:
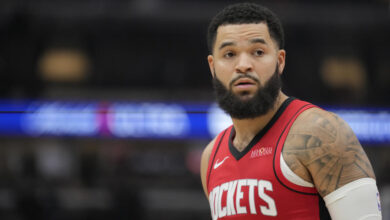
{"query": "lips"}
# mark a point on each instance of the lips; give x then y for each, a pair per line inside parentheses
(244, 82)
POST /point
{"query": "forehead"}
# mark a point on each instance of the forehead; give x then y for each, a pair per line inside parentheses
(242, 32)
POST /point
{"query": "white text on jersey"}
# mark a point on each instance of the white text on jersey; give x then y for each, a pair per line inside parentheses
(231, 193)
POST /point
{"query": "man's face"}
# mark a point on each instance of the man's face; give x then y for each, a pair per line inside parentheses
(244, 59)
(261, 102)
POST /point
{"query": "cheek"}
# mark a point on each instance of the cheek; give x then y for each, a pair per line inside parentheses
(223, 71)
(224, 79)
(222, 66)
(265, 71)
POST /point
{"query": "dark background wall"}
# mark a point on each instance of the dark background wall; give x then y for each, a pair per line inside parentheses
(337, 55)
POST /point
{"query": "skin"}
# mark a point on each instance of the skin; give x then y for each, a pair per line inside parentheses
(246, 49)
(320, 147)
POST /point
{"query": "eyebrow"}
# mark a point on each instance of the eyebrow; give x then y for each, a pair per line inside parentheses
(225, 44)
(258, 40)
(252, 41)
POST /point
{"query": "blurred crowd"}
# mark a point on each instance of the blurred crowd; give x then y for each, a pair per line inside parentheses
(139, 50)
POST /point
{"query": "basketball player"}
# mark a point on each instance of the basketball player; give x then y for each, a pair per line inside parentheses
(282, 158)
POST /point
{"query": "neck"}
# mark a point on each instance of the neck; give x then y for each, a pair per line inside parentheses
(246, 129)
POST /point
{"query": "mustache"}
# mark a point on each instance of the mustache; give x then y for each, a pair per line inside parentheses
(244, 76)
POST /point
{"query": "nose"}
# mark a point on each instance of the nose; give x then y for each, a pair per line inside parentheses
(244, 64)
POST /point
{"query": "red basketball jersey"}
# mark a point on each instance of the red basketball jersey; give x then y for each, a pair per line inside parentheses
(250, 184)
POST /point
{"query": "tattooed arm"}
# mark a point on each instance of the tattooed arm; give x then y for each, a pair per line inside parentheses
(321, 148)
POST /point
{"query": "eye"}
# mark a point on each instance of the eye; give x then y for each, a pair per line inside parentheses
(228, 54)
(258, 52)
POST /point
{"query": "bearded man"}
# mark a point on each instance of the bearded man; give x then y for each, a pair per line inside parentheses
(282, 158)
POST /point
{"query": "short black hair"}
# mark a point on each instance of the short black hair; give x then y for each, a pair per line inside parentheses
(246, 13)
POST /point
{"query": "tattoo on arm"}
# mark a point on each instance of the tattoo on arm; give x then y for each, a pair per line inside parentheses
(325, 148)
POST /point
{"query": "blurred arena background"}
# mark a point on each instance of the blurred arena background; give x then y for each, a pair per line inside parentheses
(106, 105)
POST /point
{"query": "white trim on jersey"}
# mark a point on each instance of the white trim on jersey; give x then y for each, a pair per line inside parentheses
(291, 176)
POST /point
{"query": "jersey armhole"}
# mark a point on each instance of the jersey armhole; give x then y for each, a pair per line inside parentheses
(291, 176)
(289, 180)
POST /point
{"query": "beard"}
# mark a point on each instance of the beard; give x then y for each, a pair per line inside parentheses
(262, 101)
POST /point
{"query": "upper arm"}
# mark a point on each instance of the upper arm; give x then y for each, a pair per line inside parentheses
(204, 165)
(320, 144)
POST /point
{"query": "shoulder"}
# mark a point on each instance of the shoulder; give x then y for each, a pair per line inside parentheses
(322, 148)
(207, 151)
(205, 162)
(319, 126)
(317, 117)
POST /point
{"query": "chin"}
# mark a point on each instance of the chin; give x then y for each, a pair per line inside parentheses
(245, 95)
(245, 98)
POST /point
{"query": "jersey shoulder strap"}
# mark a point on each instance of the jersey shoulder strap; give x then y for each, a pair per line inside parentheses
(295, 109)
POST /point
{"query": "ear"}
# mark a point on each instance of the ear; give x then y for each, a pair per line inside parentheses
(281, 60)
(210, 60)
